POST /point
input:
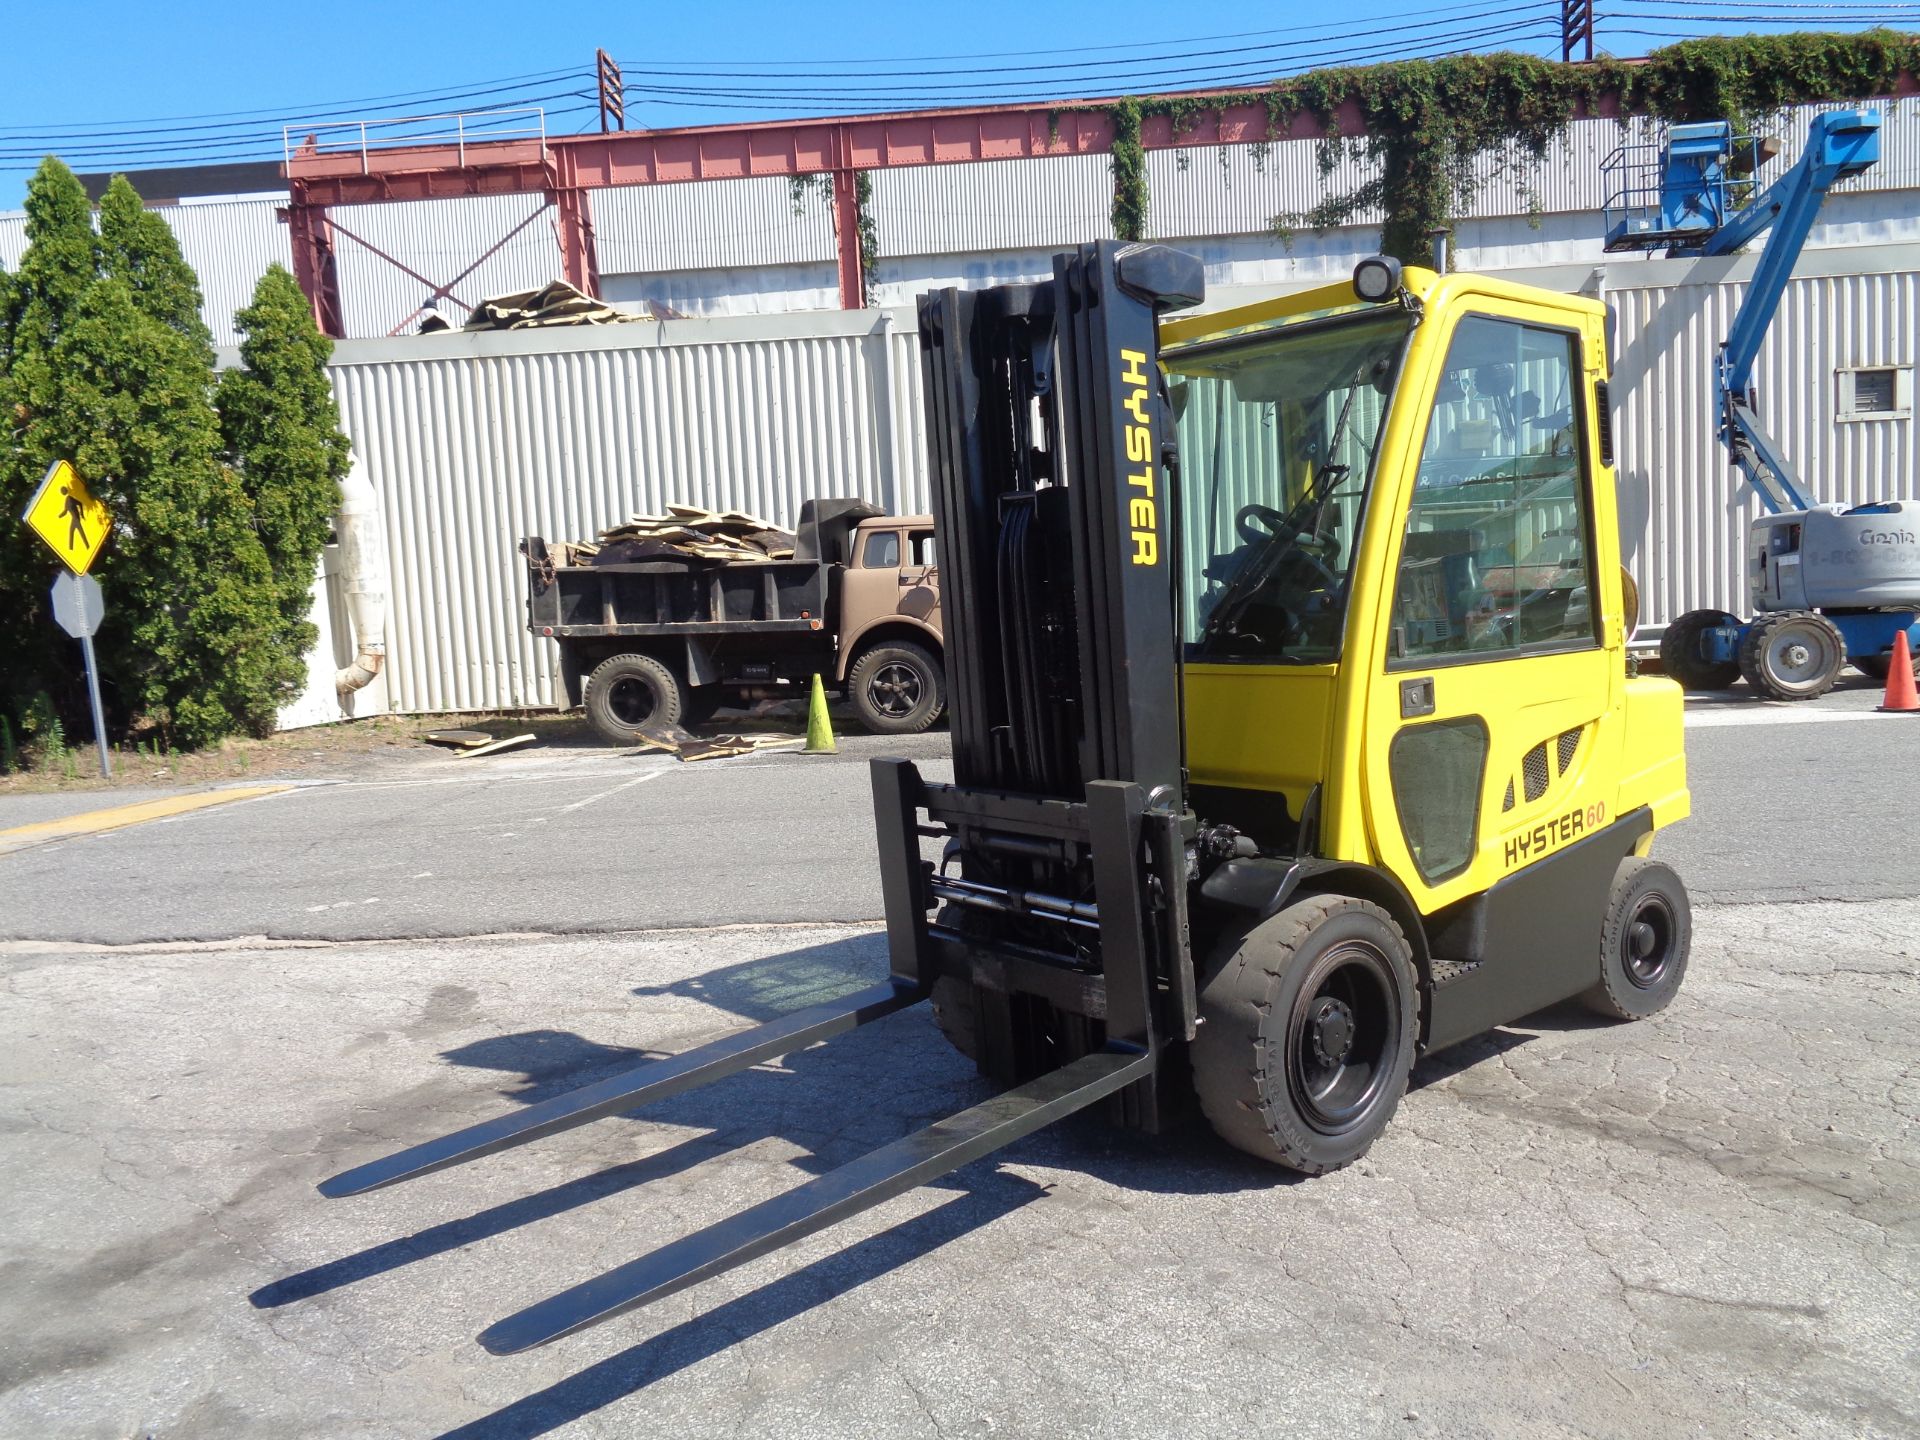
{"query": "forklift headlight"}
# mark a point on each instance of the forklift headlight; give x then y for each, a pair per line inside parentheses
(1376, 278)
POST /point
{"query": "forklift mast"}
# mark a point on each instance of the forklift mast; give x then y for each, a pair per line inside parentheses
(1062, 879)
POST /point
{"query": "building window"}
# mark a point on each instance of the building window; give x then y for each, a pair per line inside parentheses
(1883, 392)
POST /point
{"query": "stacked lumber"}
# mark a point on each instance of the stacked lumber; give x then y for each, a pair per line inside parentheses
(685, 532)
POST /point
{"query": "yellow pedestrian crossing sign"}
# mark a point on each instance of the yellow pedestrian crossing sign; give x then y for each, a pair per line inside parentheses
(64, 513)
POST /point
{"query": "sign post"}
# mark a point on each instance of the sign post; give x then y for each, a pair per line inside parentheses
(78, 605)
(65, 514)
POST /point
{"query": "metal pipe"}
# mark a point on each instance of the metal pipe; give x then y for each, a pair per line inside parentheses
(1017, 902)
(363, 563)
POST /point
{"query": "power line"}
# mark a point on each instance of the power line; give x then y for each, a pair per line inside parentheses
(867, 104)
(945, 94)
(254, 141)
(143, 158)
(1318, 33)
(475, 87)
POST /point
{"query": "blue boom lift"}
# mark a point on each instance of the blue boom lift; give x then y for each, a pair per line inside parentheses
(1827, 583)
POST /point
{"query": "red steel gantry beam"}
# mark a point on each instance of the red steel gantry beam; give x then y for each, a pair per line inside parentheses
(565, 168)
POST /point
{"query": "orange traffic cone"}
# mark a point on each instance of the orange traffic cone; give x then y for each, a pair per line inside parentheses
(1900, 691)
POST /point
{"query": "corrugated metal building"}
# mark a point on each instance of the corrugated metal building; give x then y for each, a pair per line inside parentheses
(770, 395)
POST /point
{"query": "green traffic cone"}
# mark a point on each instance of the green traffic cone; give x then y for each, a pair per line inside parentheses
(819, 727)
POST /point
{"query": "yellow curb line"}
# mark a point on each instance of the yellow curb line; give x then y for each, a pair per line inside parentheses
(94, 821)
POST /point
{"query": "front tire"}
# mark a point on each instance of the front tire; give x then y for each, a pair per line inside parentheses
(897, 688)
(1644, 943)
(1308, 1034)
(1680, 653)
(631, 694)
(1792, 655)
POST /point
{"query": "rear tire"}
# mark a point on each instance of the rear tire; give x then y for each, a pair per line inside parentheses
(1874, 667)
(1644, 942)
(1308, 1034)
(630, 693)
(1792, 655)
(1680, 653)
(897, 688)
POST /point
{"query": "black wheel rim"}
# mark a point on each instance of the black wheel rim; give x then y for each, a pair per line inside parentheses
(1646, 941)
(631, 701)
(894, 690)
(1343, 1038)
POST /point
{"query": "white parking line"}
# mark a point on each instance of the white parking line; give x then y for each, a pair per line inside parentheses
(628, 785)
(1719, 717)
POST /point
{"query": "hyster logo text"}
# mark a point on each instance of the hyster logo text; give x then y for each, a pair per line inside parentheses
(1143, 522)
(1552, 834)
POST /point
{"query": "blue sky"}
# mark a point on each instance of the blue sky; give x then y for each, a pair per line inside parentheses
(102, 67)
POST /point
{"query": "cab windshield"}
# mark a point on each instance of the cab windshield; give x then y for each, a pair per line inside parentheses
(1278, 437)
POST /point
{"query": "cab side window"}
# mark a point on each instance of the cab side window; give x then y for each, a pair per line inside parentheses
(1496, 556)
(882, 550)
(920, 547)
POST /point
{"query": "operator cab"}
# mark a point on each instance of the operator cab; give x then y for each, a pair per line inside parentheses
(1285, 411)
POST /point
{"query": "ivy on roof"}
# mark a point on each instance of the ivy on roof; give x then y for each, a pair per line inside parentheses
(1427, 122)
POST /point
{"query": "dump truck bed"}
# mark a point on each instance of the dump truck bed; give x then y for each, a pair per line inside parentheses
(674, 597)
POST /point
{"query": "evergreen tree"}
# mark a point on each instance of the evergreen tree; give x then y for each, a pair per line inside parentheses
(282, 430)
(192, 632)
(137, 246)
(108, 364)
(61, 261)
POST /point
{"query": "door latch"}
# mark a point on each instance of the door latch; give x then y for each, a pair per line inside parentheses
(1416, 697)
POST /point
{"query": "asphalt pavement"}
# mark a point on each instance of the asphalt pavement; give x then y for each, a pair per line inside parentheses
(1703, 1225)
(1790, 802)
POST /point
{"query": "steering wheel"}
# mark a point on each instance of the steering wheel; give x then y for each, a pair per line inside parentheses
(1273, 525)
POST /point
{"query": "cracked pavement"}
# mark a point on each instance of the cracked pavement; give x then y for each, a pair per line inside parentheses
(1700, 1225)
(1707, 1224)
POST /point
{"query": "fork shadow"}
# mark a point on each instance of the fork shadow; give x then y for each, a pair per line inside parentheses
(985, 1197)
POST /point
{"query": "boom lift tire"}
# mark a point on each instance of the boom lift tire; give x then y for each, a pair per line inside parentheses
(1680, 652)
(1874, 667)
(629, 691)
(1644, 942)
(1792, 655)
(897, 688)
(1307, 1034)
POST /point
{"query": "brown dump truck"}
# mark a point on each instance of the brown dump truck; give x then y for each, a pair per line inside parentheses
(669, 638)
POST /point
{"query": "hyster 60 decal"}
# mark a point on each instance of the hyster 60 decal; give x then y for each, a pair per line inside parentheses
(1143, 521)
(1552, 834)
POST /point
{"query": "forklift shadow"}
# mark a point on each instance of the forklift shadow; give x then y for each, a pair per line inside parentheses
(986, 1195)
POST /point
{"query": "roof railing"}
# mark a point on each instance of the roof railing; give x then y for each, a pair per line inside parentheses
(459, 129)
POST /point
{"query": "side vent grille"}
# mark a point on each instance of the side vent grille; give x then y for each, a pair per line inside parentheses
(1569, 743)
(1508, 803)
(1603, 415)
(1533, 770)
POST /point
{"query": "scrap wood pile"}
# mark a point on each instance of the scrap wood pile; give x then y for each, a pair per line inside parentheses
(685, 532)
(668, 739)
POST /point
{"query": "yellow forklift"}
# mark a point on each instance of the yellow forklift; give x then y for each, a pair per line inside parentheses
(1293, 735)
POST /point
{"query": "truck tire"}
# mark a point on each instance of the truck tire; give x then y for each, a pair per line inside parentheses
(897, 688)
(630, 692)
(1680, 653)
(1792, 655)
(1307, 1034)
(1644, 942)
